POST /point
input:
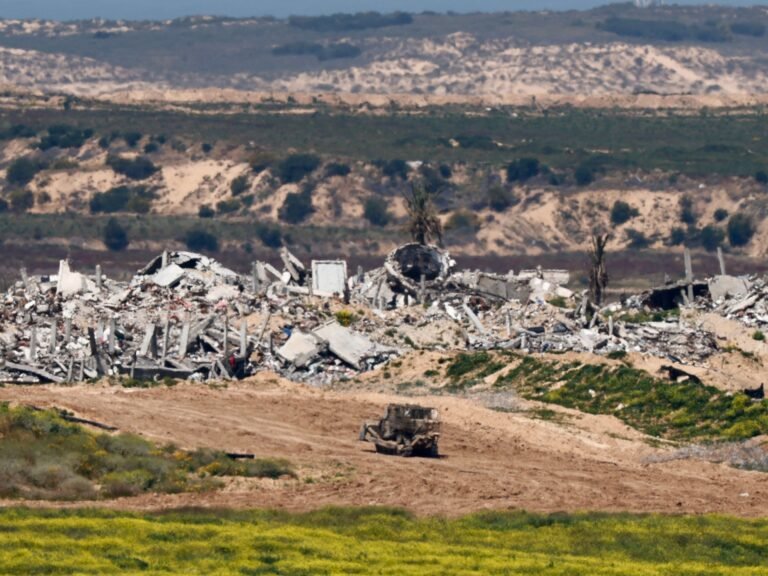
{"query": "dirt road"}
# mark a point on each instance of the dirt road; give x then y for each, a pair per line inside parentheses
(492, 460)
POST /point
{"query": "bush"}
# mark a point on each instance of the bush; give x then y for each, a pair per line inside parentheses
(622, 212)
(446, 171)
(115, 236)
(523, 169)
(270, 235)
(463, 220)
(3, 206)
(206, 211)
(297, 166)
(740, 230)
(499, 198)
(637, 240)
(336, 169)
(297, 207)
(261, 161)
(132, 139)
(199, 240)
(584, 174)
(396, 168)
(206, 147)
(151, 148)
(687, 214)
(122, 199)
(22, 171)
(140, 168)
(239, 185)
(22, 200)
(758, 336)
(711, 237)
(721, 214)
(228, 206)
(64, 136)
(761, 176)
(376, 211)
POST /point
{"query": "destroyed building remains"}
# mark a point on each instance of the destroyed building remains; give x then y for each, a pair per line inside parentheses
(185, 316)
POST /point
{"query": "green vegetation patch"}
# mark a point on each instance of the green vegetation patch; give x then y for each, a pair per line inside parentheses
(672, 410)
(468, 369)
(42, 456)
(377, 541)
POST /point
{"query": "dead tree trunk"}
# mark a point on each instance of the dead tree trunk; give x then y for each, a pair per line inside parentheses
(598, 276)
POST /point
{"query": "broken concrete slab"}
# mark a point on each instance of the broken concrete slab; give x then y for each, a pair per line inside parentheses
(725, 287)
(72, 283)
(351, 347)
(329, 277)
(301, 348)
(169, 276)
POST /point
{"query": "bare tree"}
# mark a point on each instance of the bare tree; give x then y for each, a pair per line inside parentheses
(424, 226)
(598, 276)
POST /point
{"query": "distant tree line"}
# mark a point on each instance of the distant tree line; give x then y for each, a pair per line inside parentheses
(674, 31)
(350, 22)
(322, 53)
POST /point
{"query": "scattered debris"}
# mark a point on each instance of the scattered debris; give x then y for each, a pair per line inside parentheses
(185, 316)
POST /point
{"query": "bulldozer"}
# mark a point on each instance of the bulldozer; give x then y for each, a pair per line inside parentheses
(405, 430)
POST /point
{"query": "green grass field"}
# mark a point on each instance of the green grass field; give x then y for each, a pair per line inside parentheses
(376, 541)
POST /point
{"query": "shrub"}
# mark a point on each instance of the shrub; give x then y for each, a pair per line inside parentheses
(297, 207)
(337, 169)
(269, 234)
(3, 206)
(206, 211)
(446, 172)
(22, 171)
(140, 168)
(687, 214)
(523, 169)
(721, 214)
(463, 220)
(584, 174)
(396, 168)
(122, 199)
(622, 212)
(151, 148)
(228, 206)
(64, 136)
(297, 166)
(115, 236)
(199, 240)
(239, 185)
(376, 211)
(132, 139)
(637, 240)
(711, 237)
(499, 198)
(261, 161)
(740, 230)
(761, 176)
(206, 147)
(758, 335)
(22, 200)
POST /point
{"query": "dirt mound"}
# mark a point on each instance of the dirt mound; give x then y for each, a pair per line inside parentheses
(492, 459)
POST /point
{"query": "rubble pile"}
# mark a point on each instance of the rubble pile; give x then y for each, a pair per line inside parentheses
(186, 316)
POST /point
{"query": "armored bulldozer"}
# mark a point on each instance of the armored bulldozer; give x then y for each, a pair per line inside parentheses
(405, 430)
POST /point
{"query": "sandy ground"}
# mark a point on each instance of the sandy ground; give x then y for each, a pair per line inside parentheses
(491, 460)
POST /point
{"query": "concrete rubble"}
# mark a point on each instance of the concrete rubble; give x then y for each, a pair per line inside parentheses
(185, 316)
